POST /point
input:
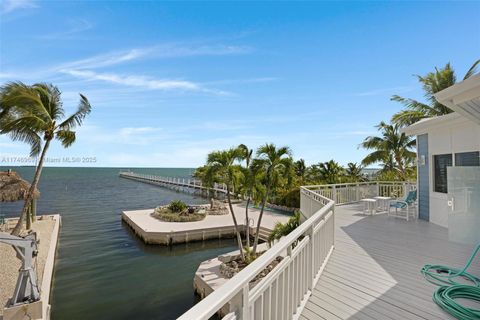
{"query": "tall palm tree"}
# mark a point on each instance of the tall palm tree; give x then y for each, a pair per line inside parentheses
(35, 113)
(222, 164)
(391, 145)
(432, 83)
(354, 172)
(248, 184)
(272, 161)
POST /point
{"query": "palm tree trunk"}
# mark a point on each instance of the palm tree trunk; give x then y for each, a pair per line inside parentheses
(259, 223)
(28, 200)
(248, 222)
(239, 237)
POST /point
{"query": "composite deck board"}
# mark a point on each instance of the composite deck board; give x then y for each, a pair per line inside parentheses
(374, 270)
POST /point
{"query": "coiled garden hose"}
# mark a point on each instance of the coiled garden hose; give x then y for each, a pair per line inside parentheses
(445, 297)
(450, 289)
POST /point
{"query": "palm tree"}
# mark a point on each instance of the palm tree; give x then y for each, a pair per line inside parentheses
(272, 161)
(248, 184)
(300, 170)
(222, 165)
(354, 172)
(392, 149)
(432, 83)
(35, 113)
(330, 172)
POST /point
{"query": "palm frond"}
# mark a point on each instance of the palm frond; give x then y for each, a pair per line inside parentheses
(66, 137)
(84, 108)
(472, 70)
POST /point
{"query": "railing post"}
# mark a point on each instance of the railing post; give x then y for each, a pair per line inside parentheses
(334, 191)
(245, 305)
(312, 258)
(378, 189)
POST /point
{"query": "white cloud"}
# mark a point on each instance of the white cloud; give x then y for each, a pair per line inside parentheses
(135, 81)
(8, 6)
(157, 51)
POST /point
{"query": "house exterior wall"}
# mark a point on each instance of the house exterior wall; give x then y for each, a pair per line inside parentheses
(423, 178)
(448, 138)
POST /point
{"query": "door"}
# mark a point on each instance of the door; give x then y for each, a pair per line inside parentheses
(464, 202)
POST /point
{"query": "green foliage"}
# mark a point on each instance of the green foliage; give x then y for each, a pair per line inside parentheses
(431, 83)
(35, 115)
(392, 149)
(283, 229)
(326, 172)
(167, 215)
(177, 206)
(289, 198)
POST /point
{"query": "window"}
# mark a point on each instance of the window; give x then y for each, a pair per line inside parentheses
(441, 162)
(467, 159)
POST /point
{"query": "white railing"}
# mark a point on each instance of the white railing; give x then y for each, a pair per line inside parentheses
(345, 193)
(186, 182)
(283, 292)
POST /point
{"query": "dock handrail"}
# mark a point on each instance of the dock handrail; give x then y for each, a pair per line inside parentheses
(286, 289)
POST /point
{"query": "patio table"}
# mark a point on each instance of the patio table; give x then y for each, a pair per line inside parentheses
(383, 202)
(369, 205)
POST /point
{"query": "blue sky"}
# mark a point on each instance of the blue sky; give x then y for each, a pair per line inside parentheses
(171, 81)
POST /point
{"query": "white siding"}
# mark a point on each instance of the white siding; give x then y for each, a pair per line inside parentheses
(454, 137)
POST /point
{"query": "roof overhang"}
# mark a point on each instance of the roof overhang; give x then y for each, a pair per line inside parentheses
(424, 125)
(463, 97)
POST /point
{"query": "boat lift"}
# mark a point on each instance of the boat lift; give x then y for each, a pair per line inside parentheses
(26, 290)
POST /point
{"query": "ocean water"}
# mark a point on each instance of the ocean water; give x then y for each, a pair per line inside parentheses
(103, 271)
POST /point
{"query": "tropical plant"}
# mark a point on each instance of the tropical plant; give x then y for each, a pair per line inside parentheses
(177, 206)
(354, 173)
(32, 114)
(221, 164)
(300, 170)
(327, 172)
(432, 83)
(272, 161)
(248, 185)
(283, 229)
(392, 149)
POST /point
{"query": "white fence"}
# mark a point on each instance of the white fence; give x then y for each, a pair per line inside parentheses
(345, 193)
(281, 294)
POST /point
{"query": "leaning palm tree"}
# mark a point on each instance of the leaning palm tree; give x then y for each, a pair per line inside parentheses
(35, 113)
(432, 83)
(222, 165)
(272, 161)
(391, 145)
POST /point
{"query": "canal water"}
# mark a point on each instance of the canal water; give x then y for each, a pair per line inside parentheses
(103, 271)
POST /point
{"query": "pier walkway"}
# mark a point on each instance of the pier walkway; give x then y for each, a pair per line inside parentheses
(173, 182)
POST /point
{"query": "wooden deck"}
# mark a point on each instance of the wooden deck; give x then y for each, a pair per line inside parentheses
(374, 271)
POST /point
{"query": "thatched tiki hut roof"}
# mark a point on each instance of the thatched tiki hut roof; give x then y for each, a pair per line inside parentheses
(13, 187)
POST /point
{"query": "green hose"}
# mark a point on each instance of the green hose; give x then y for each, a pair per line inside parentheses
(450, 290)
(445, 297)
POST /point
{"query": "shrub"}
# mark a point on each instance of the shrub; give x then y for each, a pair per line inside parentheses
(289, 199)
(177, 206)
(167, 215)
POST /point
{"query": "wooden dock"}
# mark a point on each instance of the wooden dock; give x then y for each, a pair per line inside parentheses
(178, 184)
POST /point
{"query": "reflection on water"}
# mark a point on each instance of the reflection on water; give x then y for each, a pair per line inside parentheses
(103, 270)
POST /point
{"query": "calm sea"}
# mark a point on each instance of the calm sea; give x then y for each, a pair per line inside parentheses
(103, 270)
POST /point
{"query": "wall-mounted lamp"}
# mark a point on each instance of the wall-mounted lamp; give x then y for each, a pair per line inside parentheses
(421, 160)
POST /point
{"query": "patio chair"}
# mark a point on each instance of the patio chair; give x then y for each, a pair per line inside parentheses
(404, 207)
